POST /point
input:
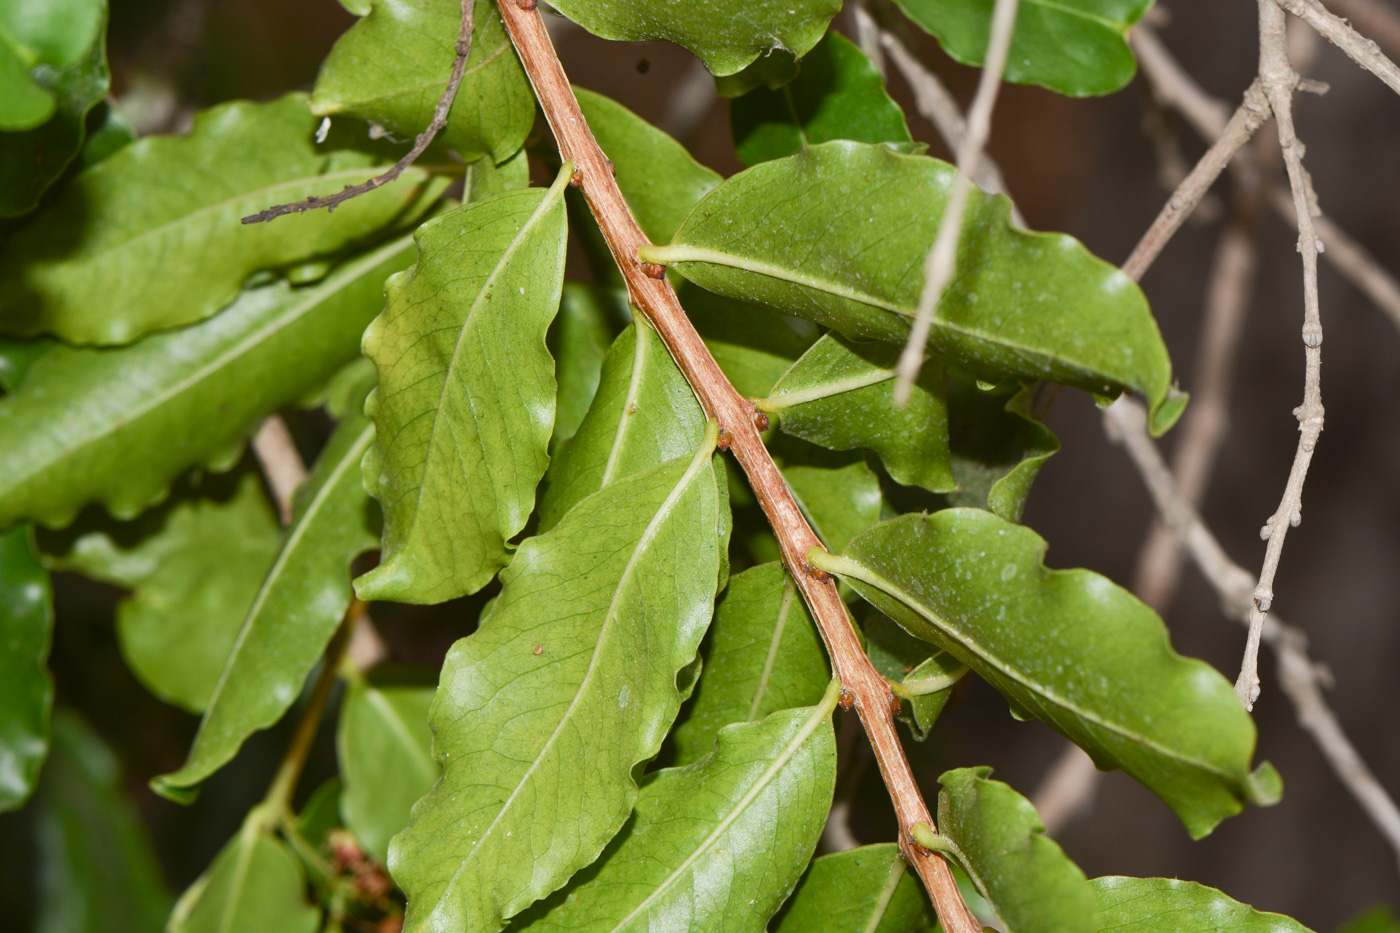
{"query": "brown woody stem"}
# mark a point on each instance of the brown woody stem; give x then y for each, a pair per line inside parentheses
(655, 298)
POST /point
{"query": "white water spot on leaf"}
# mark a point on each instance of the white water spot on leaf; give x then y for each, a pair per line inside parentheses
(1008, 573)
(624, 697)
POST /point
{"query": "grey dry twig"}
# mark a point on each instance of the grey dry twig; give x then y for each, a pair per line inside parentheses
(444, 106)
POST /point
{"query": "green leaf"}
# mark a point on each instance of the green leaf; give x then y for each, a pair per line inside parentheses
(465, 403)
(1028, 880)
(392, 66)
(921, 676)
(190, 597)
(658, 178)
(108, 132)
(840, 395)
(718, 845)
(569, 683)
(864, 890)
(726, 35)
(385, 750)
(1378, 919)
(838, 94)
(178, 627)
(16, 356)
(753, 348)
(484, 178)
(644, 414)
(838, 234)
(764, 655)
(299, 607)
(33, 158)
(996, 448)
(1068, 647)
(579, 341)
(255, 883)
(150, 238)
(38, 42)
(202, 507)
(116, 426)
(1166, 905)
(97, 870)
(1076, 47)
(26, 688)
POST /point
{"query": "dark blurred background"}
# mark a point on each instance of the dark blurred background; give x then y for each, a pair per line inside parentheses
(1087, 167)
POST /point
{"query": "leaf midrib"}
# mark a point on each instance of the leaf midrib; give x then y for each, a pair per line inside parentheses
(668, 255)
(643, 543)
(640, 343)
(860, 571)
(421, 758)
(349, 276)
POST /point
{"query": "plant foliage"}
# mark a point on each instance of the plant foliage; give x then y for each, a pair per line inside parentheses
(625, 735)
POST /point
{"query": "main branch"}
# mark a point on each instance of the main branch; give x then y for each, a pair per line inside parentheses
(861, 684)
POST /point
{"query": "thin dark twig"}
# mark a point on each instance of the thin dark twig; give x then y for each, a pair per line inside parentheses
(444, 104)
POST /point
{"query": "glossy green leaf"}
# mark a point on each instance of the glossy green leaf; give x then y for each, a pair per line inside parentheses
(392, 66)
(195, 564)
(771, 70)
(838, 234)
(255, 884)
(465, 403)
(177, 629)
(866, 890)
(150, 238)
(321, 812)
(644, 414)
(543, 714)
(116, 426)
(1167, 905)
(1076, 47)
(38, 42)
(385, 750)
(1025, 876)
(838, 94)
(717, 846)
(726, 35)
(97, 870)
(921, 675)
(109, 130)
(658, 178)
(26, 688)
(840, 395)
(764, 654)
(300, 605)
(753, 347)
(483, 178)
(1068, 647)
(33, 158)
(996, 448)
(578, 341)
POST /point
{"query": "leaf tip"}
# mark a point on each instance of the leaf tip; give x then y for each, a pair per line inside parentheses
(1264, 786)
(1166, 412)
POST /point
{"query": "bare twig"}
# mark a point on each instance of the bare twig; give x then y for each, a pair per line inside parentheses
(937, 105)
(444, 105)
(1300, 677)
(1340, 33)
(1067, 790)
(868, 36)
(1372, 18)
(1208, 116)
(1279, 81)
(862, 686)
(1203, 428)
(281, 464)
(1238, 130)
(943, 256)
